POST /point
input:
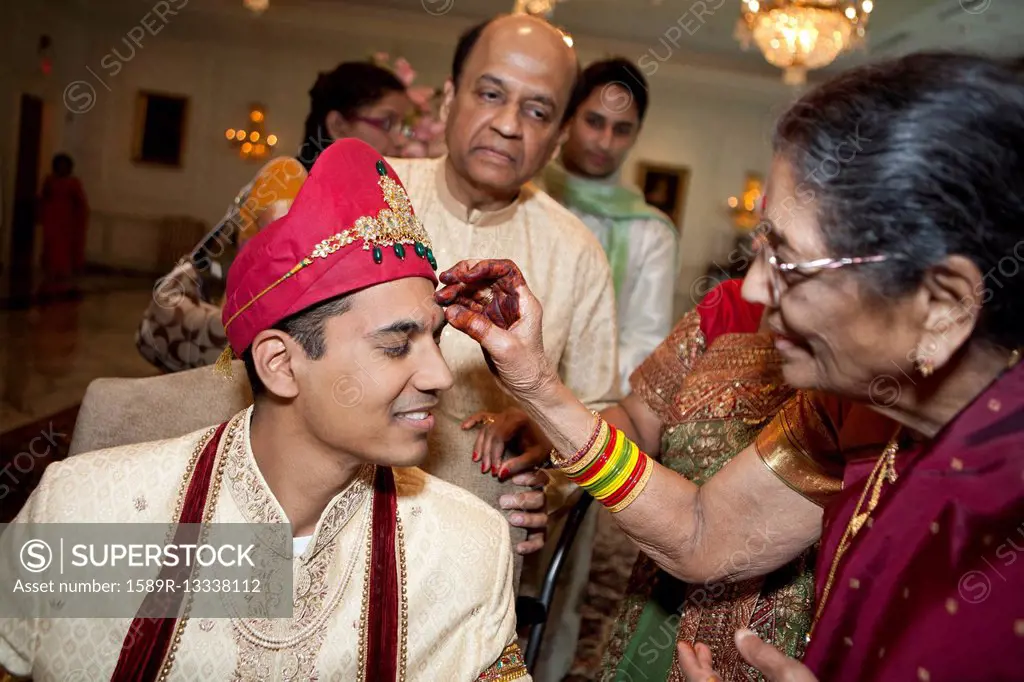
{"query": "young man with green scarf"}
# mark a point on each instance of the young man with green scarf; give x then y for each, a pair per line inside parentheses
(640, 240)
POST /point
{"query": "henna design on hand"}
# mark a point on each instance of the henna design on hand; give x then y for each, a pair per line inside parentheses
(479, 295)
(487, 287)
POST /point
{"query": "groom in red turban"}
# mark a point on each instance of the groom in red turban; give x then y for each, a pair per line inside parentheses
(397, 575)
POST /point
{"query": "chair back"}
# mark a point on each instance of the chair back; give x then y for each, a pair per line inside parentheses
(124, 411)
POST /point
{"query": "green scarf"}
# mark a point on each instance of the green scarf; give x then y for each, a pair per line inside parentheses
(615, 201)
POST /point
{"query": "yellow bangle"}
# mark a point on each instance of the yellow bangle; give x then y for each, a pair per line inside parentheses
(637, 489)
(596, 475)
(618, 472)
(627, 471)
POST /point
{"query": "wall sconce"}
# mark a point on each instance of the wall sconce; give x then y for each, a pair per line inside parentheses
(252, 142)
(537, 8)
(257, 7)
(744, 209)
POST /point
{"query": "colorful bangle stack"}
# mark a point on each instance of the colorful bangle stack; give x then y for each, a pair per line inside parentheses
(610, 467)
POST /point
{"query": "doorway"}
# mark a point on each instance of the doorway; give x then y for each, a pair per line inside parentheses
(26, 184)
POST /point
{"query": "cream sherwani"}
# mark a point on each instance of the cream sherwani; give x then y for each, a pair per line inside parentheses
(566, 269)
(458, 566)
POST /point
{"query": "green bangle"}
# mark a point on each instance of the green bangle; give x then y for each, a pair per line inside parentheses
(606, 485)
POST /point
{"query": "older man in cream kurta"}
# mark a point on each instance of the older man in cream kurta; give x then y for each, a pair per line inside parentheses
(504, 109)
(458, 560)
(568, 272)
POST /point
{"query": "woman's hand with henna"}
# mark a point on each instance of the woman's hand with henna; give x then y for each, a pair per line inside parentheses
(489, 301)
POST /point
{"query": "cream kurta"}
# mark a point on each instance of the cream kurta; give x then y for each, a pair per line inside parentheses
(458, 564)
(566, 269)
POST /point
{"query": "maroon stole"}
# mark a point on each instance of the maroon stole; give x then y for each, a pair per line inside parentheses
(382, 619)
(146, 644)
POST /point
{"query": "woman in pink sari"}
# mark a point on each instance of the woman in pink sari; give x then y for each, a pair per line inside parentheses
(889, 268)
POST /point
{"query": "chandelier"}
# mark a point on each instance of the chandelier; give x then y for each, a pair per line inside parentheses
(800, 35)
(743, 208)
(544, 9)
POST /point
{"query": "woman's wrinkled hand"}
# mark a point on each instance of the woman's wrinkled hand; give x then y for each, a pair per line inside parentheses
(695, 662)
(489, 301)
(510, 429)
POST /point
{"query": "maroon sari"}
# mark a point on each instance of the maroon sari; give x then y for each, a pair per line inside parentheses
(933, 588)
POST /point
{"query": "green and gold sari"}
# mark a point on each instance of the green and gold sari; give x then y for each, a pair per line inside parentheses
(713, 397)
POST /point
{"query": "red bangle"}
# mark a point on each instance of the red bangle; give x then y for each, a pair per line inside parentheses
(630, 483)
(591, 472)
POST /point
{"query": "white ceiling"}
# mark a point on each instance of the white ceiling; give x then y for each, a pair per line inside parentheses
(978, 24)
(645, 21)
(631, 27)
(990, 26)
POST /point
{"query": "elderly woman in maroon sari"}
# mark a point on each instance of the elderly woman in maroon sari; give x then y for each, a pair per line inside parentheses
(889, 273)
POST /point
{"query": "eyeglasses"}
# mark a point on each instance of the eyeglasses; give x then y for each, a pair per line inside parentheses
(386, 124)
(777, 268)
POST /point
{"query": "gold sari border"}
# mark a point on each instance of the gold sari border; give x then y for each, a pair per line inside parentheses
(779, 447)
(658, 378)
(739, 376)
(511, 665)
(740, 357)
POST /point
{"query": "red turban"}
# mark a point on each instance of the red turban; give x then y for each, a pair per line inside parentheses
(351, 226)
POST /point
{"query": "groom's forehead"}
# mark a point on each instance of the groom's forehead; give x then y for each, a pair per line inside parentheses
(396, 307)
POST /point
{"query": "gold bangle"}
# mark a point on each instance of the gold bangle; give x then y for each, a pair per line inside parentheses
(562, 461)
(637, 489)
(598, 446)
(582, 468)
(592, 459)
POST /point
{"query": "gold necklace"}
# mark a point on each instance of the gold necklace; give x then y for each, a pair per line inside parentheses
(249, 632)
(884, 470)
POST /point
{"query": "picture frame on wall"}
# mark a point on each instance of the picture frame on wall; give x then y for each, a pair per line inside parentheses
(664, 187)
(161, 120)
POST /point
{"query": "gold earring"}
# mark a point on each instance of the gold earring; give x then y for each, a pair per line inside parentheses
(926, 367)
